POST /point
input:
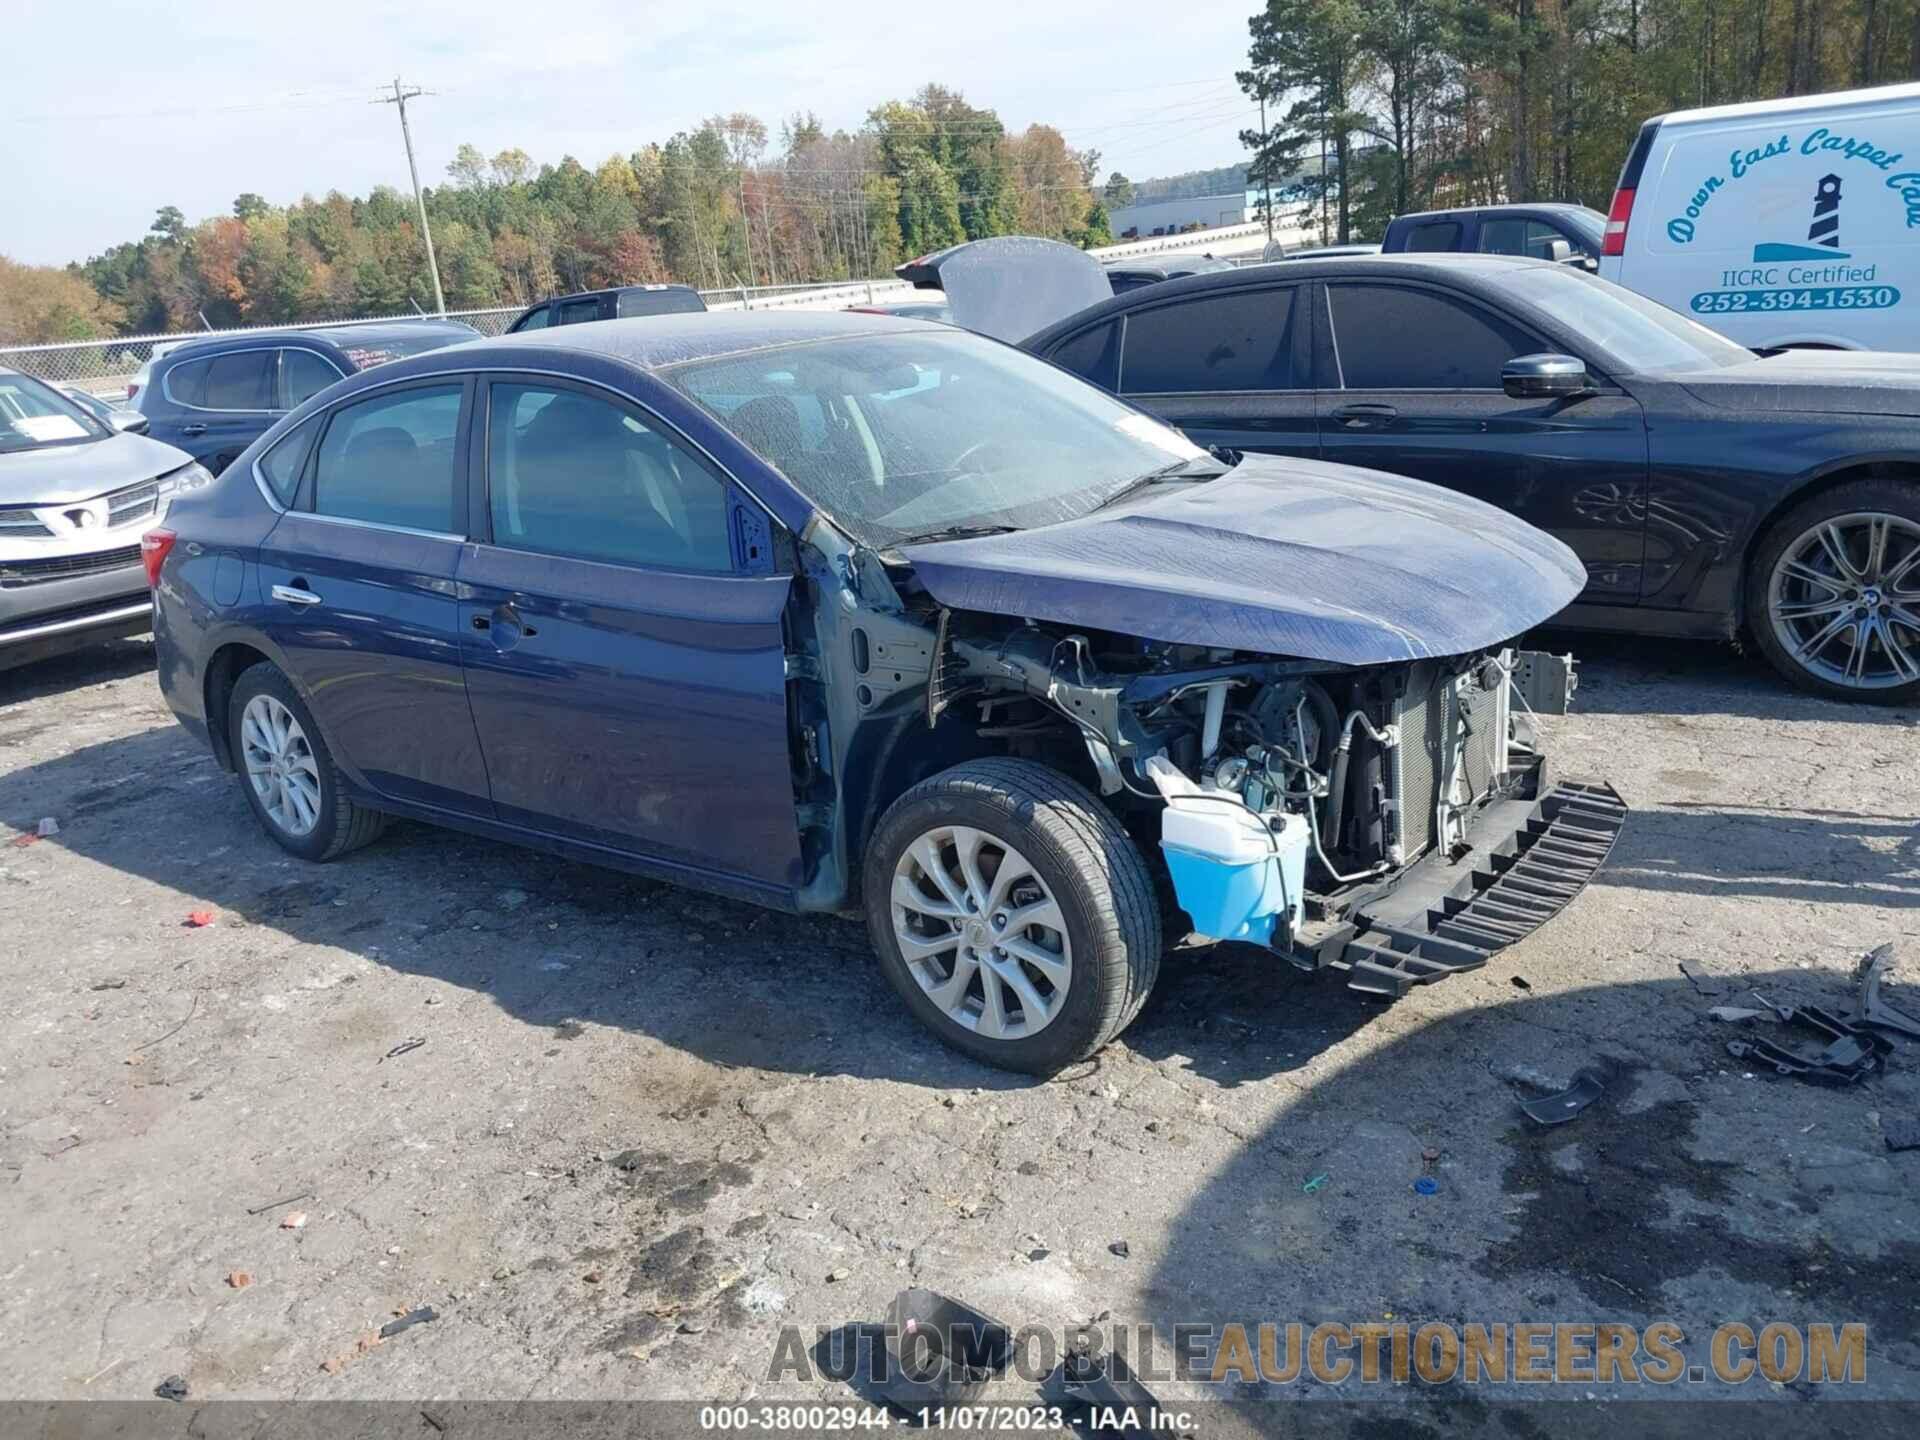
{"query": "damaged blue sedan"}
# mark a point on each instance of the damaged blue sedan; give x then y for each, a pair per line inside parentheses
(842, 612)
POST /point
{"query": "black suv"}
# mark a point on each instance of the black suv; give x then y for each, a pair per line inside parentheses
(215, 397)
(620, 304)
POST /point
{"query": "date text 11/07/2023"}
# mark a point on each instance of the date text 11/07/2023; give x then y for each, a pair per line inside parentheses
(1818, 297)
(813, 1419)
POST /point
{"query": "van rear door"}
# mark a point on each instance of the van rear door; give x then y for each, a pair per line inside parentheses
(1796, 226)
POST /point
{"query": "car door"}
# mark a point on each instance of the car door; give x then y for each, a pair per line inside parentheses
(225, 403)
(1229, 367)
(1410, 382)
(357, 589)
(627, 676)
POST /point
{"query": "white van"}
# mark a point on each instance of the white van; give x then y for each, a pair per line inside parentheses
(1785, 222)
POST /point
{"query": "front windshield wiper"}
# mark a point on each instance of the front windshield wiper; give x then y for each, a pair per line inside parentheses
(954, 532)
(1178, 469)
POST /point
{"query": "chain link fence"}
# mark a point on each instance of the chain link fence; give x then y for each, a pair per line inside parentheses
(105, 367)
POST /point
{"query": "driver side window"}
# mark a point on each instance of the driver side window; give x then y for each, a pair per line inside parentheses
(582, 476)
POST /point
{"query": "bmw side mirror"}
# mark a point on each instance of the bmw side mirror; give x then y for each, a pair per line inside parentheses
(128, 422)
(1544, 377)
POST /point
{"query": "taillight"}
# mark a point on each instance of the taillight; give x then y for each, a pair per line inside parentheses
(1614, 242)
(154, 546)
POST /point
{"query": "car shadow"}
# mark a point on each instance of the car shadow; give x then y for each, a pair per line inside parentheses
(1692, 1190)
(91, 665)
(1642, 675)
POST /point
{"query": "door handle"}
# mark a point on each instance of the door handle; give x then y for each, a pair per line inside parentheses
(295, 595)
(196, 428)
(1366, 416)
(509, 617)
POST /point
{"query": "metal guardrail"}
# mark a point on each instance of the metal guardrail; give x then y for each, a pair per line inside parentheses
(107, 366)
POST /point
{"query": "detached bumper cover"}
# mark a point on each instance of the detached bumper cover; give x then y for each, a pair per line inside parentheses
(1528, 859)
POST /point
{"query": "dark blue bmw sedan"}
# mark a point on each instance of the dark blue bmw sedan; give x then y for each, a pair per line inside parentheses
(852, 613)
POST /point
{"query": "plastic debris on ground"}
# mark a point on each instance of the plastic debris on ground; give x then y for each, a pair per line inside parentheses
(174, 1387)
(294, 1220)
(1314, 1183)
(940, 1351)
(47, 828)
(199, 919)
(1587, 1087)
(408, 1321)
(1426, 1185)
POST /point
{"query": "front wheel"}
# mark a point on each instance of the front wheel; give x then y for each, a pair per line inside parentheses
(1012, 914)
(1834, 594)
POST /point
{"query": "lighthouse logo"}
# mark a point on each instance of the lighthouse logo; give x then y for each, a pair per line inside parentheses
(1823, 235)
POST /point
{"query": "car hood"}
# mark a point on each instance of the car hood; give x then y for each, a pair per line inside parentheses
(1834, 382)
(1280, 557)
(1011, 286)
(56, 474)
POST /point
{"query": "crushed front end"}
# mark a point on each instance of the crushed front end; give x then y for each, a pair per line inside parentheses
(1396, 821)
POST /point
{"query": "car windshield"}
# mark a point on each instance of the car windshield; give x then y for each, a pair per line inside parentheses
(1642, 336)
(909, 435)
(34, 415)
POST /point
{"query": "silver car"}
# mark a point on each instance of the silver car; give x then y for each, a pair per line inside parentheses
(75, 495)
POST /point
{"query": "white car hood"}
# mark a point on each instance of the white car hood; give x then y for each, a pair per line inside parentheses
(61, 474)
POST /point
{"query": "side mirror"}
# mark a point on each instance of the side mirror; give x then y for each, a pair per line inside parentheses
(1559, 251)
(128, 422)
(1544, 377)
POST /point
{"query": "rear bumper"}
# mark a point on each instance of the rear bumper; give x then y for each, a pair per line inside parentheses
(1527, 858)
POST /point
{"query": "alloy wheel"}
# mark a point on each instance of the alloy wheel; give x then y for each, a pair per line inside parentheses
(280, 765)
(980, 932)
(1844, 600)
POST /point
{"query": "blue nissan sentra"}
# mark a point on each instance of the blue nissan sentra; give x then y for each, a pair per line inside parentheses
(861, 614)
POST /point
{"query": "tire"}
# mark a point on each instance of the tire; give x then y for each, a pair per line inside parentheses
(338, 825)
(1800, 588)
(1088, 875)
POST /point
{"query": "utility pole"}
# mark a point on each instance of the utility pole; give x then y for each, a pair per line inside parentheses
(1266, 164)
(399, 98)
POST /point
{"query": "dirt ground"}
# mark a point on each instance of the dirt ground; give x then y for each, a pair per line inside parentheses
(645, 1129)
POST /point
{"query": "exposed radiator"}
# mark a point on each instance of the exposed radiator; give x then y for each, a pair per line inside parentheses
(1439, 711)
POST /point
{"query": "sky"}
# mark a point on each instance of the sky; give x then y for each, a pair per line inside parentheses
(132, 106)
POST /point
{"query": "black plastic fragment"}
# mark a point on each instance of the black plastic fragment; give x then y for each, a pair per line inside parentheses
(174, 1387)
(1587, 1087)
(1876, 1012)
(940, 1351)
(1109, 1389)
(408, 1321)
(1852, 1052)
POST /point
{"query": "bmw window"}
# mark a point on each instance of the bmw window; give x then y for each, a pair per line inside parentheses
(1240, 340)
(241, 381)
(1393, 337)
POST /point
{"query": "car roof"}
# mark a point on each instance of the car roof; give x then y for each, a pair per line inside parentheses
(343, 336)
(1471, 266)
(608, 290)
(653, 341)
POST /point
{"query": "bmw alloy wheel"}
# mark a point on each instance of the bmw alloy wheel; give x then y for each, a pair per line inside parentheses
(280, 765)
(1844, 600)
(980, 933)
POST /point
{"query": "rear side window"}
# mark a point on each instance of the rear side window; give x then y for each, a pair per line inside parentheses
(657, 302)
(1390, 337)
(390, 460)
(1093, 355)
(242, 381)
(280, 467)
(533, 320)
(185, 382)
(580, 476)
(1242, 340)
(1435, 235)
(576, 312)
(304, 375)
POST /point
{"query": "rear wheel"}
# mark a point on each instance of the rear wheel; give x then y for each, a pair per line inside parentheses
(1012, 914)
(1833, 598)
(287, 773)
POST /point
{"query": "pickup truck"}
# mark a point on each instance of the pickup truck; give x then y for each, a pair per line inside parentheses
(1531, 230)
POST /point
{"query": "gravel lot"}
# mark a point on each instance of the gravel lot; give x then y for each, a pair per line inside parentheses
(648, 1128)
